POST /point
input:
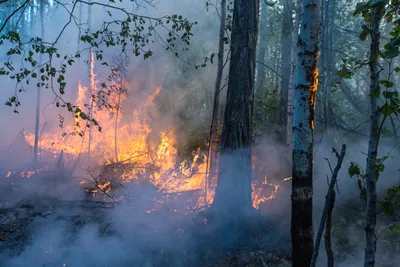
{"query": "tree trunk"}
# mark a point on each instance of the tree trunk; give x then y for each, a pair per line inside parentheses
(116, 121)
(91, 81)
(328, 232)
(327, 211)
(295, 36)
(213, 155)
(262, 51)
(304, 105)
(233, 192)
(38, 93)
(286, 44)
(370, 172)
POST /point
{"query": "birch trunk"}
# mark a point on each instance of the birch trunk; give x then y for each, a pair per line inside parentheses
(233, 191)
(213, 156)
(38, 94)
(304, 104)
(370, 172)
(286, 44)
(295, 36)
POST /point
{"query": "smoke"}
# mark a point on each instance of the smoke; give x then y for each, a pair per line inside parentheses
(140, 232)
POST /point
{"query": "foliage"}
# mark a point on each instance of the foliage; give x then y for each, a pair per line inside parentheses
(134, 33)
(390, 102)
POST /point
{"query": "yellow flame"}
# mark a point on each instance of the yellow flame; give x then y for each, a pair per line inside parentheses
(313, 89)
(139, 154)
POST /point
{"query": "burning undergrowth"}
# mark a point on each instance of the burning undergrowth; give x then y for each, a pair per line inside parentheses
(122, 196)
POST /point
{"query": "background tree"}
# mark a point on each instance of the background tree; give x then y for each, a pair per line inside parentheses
(38, 96)
(285, 70)
(214, 133)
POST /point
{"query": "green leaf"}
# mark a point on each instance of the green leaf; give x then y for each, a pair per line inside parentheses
(365, 32)
(386, 83)
(386, 110)
(391, 52)
(354, 170)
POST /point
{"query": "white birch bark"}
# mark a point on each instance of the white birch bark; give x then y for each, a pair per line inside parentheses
(304, 104)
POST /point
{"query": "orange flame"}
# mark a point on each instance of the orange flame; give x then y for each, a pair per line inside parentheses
(131, 139)
(313, 89)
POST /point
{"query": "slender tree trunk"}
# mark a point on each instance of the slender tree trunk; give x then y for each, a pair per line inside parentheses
(328, 208)
(91, 87)
(213, 155)
(330, 62)
(286, 45)
(370, 172)
(293, 54)
(304, 105)
(324, 59)
(328, 232)
(38, 93)
(233, 192)
(116, 122)
(32, 19)
(262, 51)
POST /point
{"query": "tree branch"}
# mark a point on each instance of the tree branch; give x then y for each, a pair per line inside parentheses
(329, 202)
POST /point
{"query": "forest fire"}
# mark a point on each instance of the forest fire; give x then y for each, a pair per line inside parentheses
(125, 149)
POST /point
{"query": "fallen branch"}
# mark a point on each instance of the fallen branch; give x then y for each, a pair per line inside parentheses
(327, 212)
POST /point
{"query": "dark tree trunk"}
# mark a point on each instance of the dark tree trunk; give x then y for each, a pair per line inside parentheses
(38, 95)
(233, 192)
(286, 50)
(303, 128)
(213, 154)
(328, 232)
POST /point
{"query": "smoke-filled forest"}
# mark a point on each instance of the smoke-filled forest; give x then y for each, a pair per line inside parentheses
(145, 133)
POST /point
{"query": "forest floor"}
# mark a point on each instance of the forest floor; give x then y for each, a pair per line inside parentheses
(41, 226)
(45, 228)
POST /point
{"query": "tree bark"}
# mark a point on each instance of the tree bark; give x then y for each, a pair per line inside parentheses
(213, 155)
(370, 172)
(304, 105)
(286, 43)
(38, 93)
(233, 191)
(328, 232)
(295, 36)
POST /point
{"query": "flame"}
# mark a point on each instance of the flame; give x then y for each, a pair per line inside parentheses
(129, 149)
(259, 193)
(153, 95)
(313, 89)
